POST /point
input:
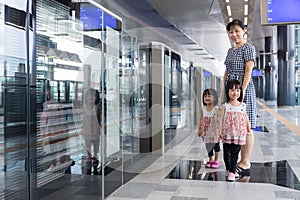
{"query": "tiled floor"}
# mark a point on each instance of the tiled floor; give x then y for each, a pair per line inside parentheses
(275, 169)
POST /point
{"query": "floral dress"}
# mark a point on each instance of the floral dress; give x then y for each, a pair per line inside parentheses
(235, 69)
(235, 124)
(210, 126)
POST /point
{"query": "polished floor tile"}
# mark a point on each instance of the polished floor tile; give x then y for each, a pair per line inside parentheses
(275, 171)
(179, 173)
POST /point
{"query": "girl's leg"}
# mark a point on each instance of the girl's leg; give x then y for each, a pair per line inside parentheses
(217, 149)
(217, 154)
(235, 150)
(226, 155)
(210, 151)
(246, 151)
(216, 163)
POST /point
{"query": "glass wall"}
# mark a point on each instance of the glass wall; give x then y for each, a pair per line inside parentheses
(297, 63)
(17, 119)
(59, 102)
(75, 99)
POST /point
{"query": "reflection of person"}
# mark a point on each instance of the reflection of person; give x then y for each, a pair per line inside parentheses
(239, 64)
(53, 121)
(234, 126)
(208, 127)
(213, 176)
(91, 129)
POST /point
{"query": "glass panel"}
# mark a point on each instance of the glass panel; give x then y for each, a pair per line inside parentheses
(15, 50)
(112, 88)
(126, 89)
(77, 97)
(59, 69)
(112, 155)
(141, 101)
(167, 61)
(176, 90)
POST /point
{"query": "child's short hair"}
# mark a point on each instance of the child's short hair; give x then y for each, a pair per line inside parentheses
(212, 92)
(233, 84)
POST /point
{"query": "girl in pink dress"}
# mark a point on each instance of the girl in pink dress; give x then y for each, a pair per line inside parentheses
(234, 126)
(208, 127)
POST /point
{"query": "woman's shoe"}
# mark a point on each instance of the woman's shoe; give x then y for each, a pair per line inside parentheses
(243, 171)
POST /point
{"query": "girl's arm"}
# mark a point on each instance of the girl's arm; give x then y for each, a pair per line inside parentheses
(248, 70)
(221, 119)
(199, 124)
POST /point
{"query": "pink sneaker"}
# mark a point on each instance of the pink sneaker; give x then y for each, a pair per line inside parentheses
(236, 174)
(231, 177)
(215, 165)
(208, 164)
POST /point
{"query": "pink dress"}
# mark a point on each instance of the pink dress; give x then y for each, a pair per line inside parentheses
(235, 124)
(210, 126)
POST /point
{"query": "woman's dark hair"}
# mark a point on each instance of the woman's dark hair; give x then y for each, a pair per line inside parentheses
(210, 92)
(233, 84)
(235, 22)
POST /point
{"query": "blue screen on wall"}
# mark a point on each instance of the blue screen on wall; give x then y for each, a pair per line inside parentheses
(283, 11)
(91, 18)
(256, 72)
(207, 73)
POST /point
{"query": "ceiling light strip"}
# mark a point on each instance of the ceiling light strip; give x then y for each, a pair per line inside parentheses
(246, 9)
(229, 10)
(245, 20)
(104, 9)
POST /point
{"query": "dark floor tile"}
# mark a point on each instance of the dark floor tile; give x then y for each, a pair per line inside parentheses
(277, 173)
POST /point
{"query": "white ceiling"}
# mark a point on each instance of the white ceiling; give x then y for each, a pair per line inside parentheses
(198, 26)
(205, 20)
(193, 17)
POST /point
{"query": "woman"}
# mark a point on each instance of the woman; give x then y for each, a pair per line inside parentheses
(239, 64)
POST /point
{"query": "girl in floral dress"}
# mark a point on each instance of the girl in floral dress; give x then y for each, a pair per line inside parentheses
(234, 126)
(208, 127)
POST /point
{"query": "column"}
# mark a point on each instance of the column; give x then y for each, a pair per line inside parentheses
(286, 68)
(269, 70)
(157, 94)
(198, 92)
(262, 78)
